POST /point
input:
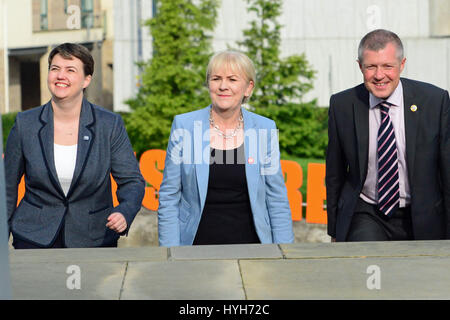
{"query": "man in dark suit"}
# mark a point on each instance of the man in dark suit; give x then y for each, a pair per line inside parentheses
(388, 157)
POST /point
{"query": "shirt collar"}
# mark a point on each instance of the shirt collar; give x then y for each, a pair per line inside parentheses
(394, 99)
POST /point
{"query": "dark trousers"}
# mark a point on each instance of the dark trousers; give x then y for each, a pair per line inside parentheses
(369, 224)
(23, 244)
(59, 243)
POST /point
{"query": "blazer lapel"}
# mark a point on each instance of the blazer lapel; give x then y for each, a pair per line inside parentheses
(46, 141)
(411, 124)
(201, 154)
(251, 145)
(201, 149)
(86, 139)
(361, 118)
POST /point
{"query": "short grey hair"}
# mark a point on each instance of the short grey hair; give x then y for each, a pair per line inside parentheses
(377, 40)
(237, 61)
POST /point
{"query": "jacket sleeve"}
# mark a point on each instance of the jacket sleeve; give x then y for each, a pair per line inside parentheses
(14, 167)
(276, 194)
(445, 157)
(335, 169)
(126, 172)
(170, 191)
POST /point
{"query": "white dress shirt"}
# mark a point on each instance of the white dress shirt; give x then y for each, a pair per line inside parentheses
(369, 192)
(65, 160)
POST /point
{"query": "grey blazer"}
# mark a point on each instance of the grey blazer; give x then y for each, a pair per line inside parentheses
(103, 149)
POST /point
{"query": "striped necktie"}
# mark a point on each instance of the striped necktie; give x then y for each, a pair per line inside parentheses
(388, 178)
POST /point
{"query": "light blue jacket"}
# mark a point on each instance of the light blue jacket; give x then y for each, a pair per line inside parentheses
(185, 183)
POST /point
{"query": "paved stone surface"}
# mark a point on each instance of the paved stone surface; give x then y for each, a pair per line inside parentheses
(143, 230)
(249, 251)
(190, 280)
(405, 270)
(310, 232)
(400, 278)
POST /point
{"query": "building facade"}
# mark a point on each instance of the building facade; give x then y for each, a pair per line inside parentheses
(327, 31)
(32, 28)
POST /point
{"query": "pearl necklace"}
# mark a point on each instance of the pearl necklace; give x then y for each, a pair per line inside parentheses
(220, 132)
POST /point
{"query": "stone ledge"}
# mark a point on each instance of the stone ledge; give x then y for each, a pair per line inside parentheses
(183, 280)
(366, 249)
(408, 270)
(400, 278)
(89, 255)
(49, 281)
(226, 252)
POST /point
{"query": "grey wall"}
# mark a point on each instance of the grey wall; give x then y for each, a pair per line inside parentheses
(5, 285)
(327, 31)
(132, 43)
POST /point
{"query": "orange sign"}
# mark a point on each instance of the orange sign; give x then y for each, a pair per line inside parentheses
(316, 194)
(293, 178)
(152, 164)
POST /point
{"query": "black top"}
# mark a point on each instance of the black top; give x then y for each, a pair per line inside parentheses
(227, 216)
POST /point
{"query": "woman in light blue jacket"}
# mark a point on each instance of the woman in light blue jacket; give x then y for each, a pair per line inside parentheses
(222, 179)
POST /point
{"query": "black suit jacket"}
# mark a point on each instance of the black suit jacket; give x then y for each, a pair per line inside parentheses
(427, 132)
(103, 149)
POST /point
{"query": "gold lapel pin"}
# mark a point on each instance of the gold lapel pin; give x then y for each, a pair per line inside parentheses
(413, 108)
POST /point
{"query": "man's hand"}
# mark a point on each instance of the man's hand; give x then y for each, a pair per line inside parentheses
(117, 222)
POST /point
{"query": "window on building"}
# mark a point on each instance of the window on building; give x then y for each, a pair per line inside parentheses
(87, 13)
(44, 15)
(154, 7)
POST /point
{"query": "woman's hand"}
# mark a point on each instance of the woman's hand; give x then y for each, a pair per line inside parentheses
(117, 222)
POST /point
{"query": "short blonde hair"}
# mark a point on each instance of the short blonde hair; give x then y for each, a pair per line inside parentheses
(236, 61)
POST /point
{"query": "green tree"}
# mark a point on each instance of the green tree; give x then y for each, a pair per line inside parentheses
(281, 84)
(8, 120)
(173, 81)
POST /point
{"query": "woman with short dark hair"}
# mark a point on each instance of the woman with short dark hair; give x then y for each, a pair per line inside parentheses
(67, 149)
